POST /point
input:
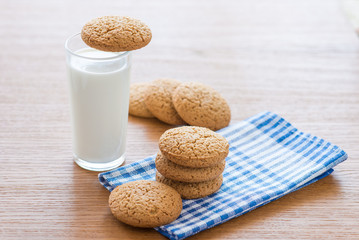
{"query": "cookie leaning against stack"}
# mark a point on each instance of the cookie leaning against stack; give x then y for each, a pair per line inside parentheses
(137, 107)
(191, 160)
(145, 203)
(201, 105)
(158, 100)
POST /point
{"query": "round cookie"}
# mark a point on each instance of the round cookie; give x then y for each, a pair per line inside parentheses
(180, 173)
(116, 34)
(137, 105)
(192, 190)
(195, 147)
(159, 101)
(145, 203)
(201, 105)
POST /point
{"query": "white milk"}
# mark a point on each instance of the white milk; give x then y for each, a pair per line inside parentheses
(99, 99)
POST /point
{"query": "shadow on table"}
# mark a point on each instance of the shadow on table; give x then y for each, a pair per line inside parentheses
(152, 128)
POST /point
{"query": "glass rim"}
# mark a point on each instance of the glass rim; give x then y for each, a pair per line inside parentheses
(120, 54)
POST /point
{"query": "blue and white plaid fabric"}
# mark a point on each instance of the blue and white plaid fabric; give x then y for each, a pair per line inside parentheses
(267, 159)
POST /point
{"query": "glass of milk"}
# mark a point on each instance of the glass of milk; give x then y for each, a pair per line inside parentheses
(99, 92)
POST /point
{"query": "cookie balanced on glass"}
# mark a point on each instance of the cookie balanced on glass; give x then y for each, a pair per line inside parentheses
(98, 66)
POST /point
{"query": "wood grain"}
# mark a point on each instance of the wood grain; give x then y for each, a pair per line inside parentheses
(299, 59)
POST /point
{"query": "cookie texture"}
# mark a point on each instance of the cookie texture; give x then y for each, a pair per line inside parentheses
(192, 190)
(137, 107)
(145, 203)
(159, 101)
(180, 173)
(116, 33)
(201, 105)
(193, 146)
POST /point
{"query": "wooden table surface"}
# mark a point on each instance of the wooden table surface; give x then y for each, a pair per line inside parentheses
(299, 59)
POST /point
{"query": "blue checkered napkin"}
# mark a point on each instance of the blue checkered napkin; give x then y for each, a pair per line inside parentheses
(267, 159)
